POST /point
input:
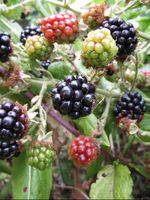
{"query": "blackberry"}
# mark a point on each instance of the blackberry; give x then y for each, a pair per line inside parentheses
(123, 33)
(74, 96)
(13, 121)
(30, 31)
(45, 64)
(5, 46)
(8, 149)
(130, 105)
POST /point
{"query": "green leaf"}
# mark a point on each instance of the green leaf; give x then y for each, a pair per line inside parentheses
(104, 140)
(30, 183)
(11, 27)
(113, 182)
(15, 14)
(59, 69)
(145, 125)
(141, 169)
(86, 124)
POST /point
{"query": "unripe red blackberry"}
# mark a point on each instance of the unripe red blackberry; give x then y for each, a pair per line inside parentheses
(74, 96)
(94, 16)
(8, 149)
(99, 48)
(130, 105)
(37, 47)
(45, 64)
(41, 155)
(83, 151)
(60, 28)
(5, 46)
(30, 31)
(123, 33)
(13, 121)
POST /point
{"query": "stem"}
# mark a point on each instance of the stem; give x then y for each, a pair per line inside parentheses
(145, 36)
(106, 112)
(40, 8)
(130, 5)
(128, 145)
(136, 73)
(23, 3)
(61, 4)
(107, 93)
(64, 123)
(57, 117)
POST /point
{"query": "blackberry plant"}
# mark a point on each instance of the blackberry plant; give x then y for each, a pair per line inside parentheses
(81, 70)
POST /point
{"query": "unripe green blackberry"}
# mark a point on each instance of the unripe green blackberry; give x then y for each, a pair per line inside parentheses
(41, 155)
(99, 48)
(37, 47)
(130, 77)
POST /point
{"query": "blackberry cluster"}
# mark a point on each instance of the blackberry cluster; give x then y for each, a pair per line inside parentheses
(130, 105)
(45, 64)
(61, 28)
(83, 151)
(124, 34)
(74, 96)
(5, 46)
(41, 155)
(30, 31)
(13, 125)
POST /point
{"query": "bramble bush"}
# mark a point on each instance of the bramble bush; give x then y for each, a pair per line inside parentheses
(74, 99)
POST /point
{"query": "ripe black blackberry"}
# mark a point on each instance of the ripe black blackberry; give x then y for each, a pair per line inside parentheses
(8, 149)
(124, 34)
(13, 121)
(130, 105)
(45, 64)
(30, 31)
(74, 96)
(5, 46)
